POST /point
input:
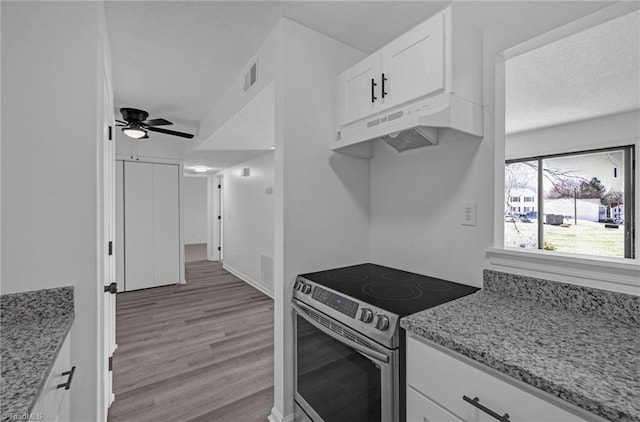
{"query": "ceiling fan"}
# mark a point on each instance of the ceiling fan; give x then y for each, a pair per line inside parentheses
(136, 125)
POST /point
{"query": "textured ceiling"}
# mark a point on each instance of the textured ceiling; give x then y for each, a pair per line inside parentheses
(593, 73)
(176, 58)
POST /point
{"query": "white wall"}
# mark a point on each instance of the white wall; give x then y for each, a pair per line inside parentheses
(416, 202)
(234, 99)
(322, 198)
(0, 148)
(194, 195)
(601, 132)
(248, 218)
(51, 85)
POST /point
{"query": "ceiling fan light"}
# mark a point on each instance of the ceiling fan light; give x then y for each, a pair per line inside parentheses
(134, 132)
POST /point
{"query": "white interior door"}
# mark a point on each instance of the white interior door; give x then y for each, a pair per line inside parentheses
(166, 222)
(138, 225)
(221, 219)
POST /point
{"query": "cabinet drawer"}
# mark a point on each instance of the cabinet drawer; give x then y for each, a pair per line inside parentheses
(421, 409)
(445, 380)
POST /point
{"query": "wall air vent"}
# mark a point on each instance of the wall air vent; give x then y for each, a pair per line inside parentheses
(251, 77)
(266, 270)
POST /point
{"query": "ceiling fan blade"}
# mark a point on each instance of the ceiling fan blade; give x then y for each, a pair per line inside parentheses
(170, 132)
(121, 125)
(121, 121)
(156, 122)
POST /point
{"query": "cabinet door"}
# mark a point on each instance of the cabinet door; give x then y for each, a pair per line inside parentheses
(166, 222)
(53, 403)
(445, 379)
(138, 225)
(355, 96)
(421, 409)
(414, 64)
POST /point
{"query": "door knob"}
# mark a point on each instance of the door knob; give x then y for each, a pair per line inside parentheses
(111, 288)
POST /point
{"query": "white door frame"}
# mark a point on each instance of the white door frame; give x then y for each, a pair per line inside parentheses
(214, 224)
(106, 251)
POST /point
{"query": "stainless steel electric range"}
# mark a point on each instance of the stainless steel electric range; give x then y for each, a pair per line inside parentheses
(349, 347)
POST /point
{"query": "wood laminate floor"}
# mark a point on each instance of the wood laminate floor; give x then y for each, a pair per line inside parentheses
(201, 351)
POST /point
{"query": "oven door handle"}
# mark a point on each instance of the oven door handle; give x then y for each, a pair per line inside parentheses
(356, 346)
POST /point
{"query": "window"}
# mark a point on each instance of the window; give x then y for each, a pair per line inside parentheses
(515, 199)
(585, 202)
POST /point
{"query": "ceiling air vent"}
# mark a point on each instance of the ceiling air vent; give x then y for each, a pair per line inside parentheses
(251, 77)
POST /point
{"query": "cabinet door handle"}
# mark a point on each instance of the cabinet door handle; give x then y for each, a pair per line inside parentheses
(476, 403)
(373, 92)
(384, 79)
(67, 385)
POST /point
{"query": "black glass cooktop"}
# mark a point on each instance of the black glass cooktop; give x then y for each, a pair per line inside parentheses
(400, 292)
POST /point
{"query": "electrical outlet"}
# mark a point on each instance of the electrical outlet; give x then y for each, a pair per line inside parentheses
(469, 214)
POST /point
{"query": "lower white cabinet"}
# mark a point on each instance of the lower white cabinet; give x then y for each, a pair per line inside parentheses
(422, 409)
(53, 404)
(438, 382)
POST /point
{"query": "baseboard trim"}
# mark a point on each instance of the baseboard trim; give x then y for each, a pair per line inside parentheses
(276, 416)
(249, 280)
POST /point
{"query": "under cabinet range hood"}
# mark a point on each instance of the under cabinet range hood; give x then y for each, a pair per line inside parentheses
(412, 126)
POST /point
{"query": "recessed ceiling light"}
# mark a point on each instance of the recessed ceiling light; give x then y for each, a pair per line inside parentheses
(200, 169)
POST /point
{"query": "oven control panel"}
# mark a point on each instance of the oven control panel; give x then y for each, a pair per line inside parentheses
(371, 321)
(337, 302)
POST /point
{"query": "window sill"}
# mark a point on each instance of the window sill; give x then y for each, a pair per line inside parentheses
(617, 274)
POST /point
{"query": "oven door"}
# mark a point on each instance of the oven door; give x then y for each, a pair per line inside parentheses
(341, 375)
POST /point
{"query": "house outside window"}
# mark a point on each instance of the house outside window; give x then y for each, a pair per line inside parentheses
(576, 202)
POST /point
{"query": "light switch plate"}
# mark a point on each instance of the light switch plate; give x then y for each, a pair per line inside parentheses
(469, 214)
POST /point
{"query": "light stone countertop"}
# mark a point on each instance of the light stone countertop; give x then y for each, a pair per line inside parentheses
(33, 327)
(579, 344)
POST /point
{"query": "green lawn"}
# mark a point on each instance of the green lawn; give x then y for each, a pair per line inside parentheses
(586, 237)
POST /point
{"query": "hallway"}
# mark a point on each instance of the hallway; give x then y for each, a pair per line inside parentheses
(202, 351)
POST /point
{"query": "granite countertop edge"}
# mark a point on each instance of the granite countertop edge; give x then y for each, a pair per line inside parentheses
(431, 331)
(35, 326)
(512, 371)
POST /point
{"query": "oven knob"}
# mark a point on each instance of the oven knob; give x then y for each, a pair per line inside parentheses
(306, 289)
(296, 285)
(366, 315)
(382, 322)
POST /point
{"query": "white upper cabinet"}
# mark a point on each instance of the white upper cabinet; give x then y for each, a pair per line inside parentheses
(358, 89)
(415, 66)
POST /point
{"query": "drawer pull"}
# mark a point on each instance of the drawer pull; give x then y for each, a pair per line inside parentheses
(476, 403)
(67, 385)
